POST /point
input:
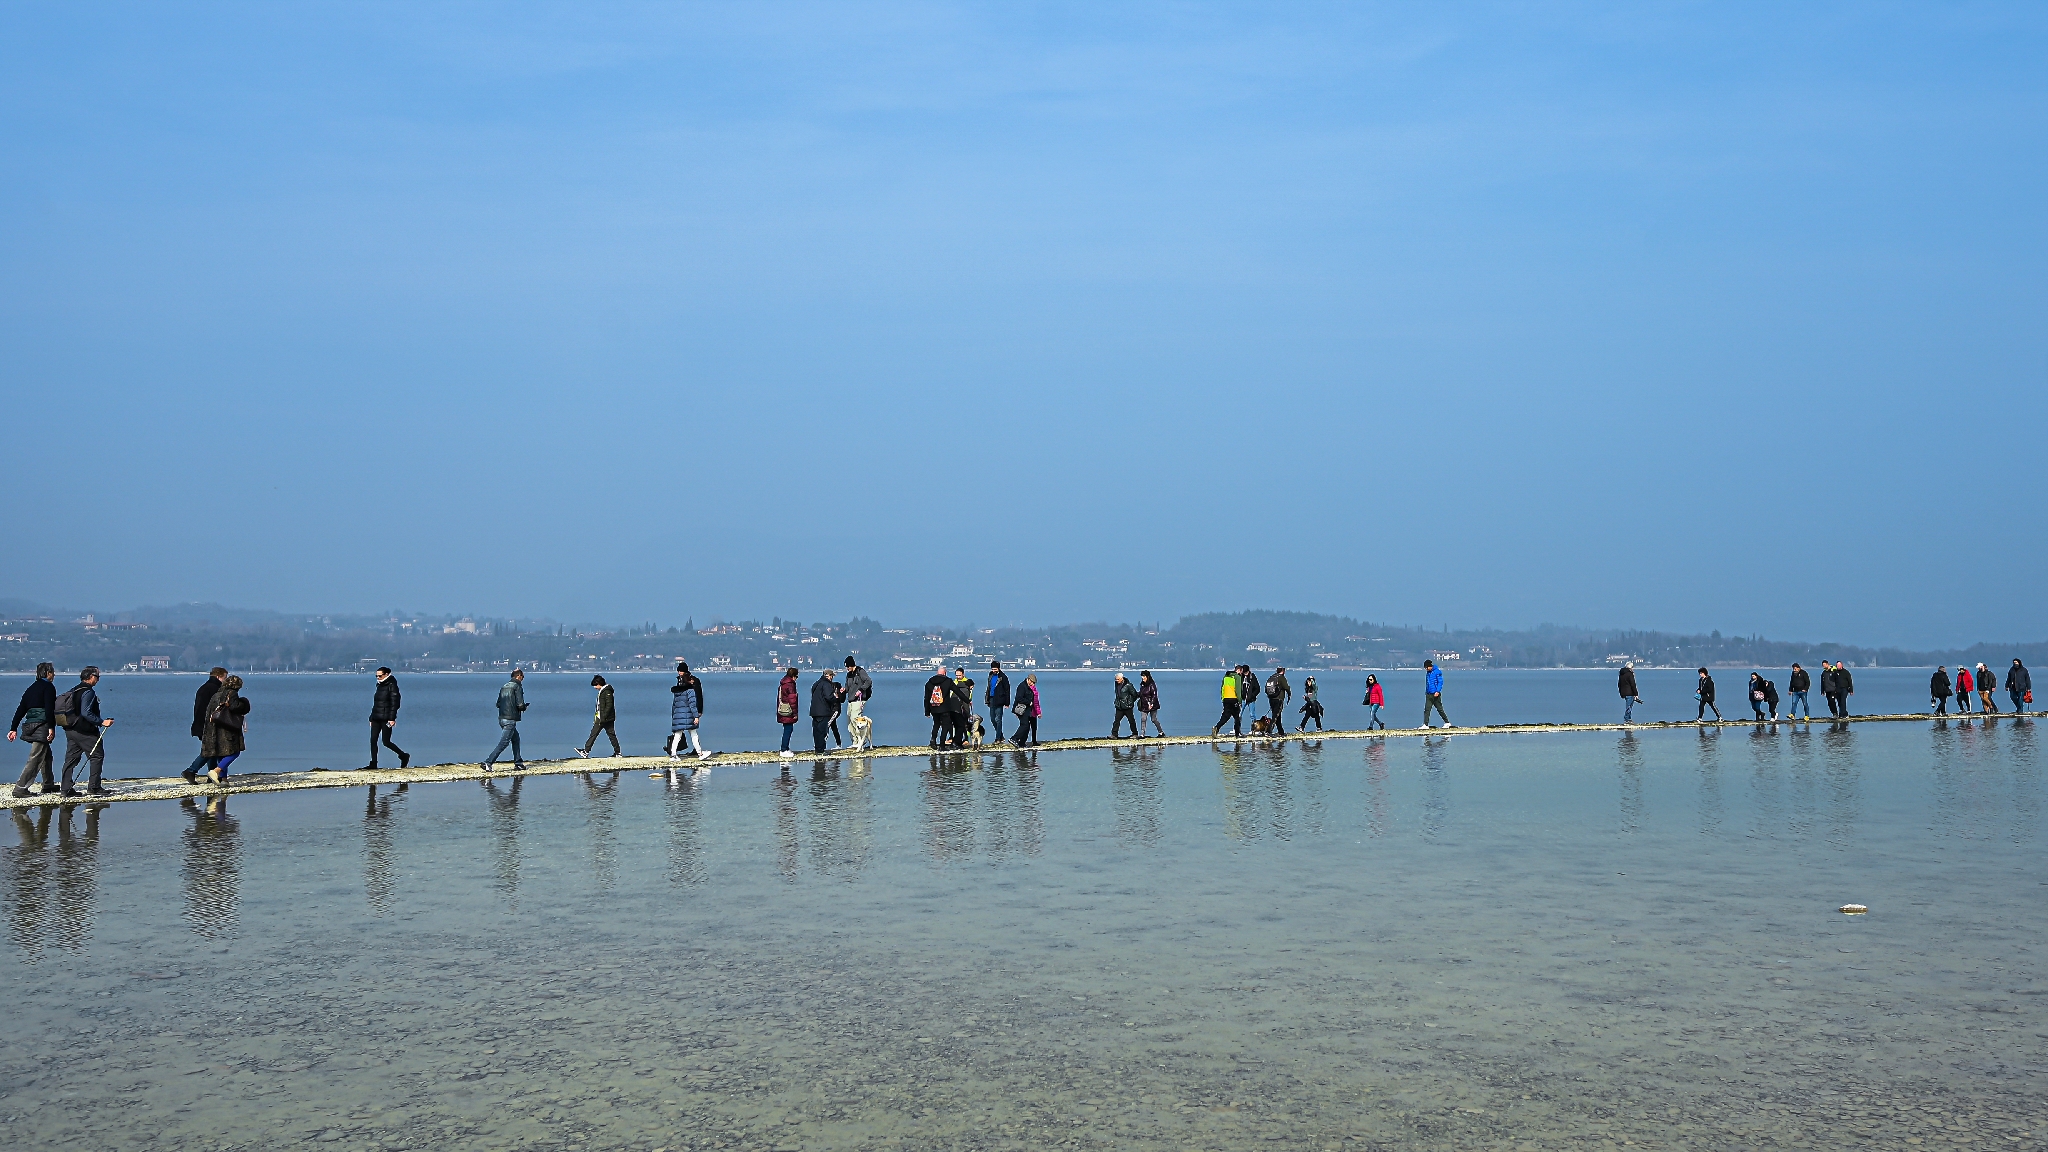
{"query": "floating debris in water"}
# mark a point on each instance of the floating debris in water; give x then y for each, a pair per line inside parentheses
(1854, 909)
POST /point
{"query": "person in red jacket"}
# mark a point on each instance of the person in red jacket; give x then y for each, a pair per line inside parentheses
(1375, 699)
(787, 705)
(1964, 686)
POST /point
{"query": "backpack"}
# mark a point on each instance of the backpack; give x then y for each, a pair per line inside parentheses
(67, 708)
(938, 697)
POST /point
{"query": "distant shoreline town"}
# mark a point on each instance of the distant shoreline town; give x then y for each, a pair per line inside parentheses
(194, 637)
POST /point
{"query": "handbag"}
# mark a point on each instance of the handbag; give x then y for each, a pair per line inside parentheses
(35, 727)
(784, 708)
(1020, 709)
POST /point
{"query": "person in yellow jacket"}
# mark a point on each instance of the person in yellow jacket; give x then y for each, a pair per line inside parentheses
(1231, 707)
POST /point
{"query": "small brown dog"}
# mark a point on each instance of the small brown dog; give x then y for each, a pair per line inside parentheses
(1262, 726)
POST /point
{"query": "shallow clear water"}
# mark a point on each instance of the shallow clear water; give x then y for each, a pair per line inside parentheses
(1478, 940)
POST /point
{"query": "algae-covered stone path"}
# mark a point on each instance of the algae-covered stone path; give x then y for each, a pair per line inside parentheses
(173, 787)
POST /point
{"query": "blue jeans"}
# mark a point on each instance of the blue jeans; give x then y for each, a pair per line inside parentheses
(1628, 708)
(995, 716)
(1798, 702)
(786, 730)
(1375, 718)
(2019, 702)
(511, 737)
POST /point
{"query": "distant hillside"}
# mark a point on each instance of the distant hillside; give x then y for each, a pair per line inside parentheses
(189, 637)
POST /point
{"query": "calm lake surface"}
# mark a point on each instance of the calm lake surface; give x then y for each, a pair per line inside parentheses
(1582, 940)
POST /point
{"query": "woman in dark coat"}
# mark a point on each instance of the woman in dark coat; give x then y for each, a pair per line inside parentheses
(1311, 708)
(1939, 690)
(1026, 709)
(1756, 694)
(226, 718)
(1148, 703)
(1706, 697)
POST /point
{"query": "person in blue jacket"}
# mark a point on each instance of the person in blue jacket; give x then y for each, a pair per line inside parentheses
(1433, 694)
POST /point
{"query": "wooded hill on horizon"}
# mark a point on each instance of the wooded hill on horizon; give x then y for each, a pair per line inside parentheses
(196, 636)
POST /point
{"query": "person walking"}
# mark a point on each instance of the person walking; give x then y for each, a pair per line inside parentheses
(85, 733)
(35, 724)
(604, 720)
(1126, 706)
(227, 723)
(384, 717)
(1845, 686)
(1939, 690)
(511, 706)
(685, 714)
(1964, 686)
(1311, 708)
(938, 697)
(1231, 713)
(1148, 703)
(1433, 694)
(200, 700)
(1027, 711)
(1987, 683)
(1827, 689)
(1705, 696)
(860, 688)
(1771, 696)
(1248, 690)
(1278, 692)
(997, 697)
(788, 702)
(1375, 699)
(2019, 686)
(1756, 695)
(1626, 682)
(1799, 684)
(825, 696)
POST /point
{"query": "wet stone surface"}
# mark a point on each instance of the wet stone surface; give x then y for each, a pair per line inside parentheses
(1626, 945)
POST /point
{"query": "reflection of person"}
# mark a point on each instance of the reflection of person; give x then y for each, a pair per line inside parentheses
(213, 871)
(384, 717)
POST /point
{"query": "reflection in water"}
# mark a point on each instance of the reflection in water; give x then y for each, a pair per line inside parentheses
(380, 855)
(947, 822)
(1016, 817)
(683, 825)
(1315, 808)
(504, 806)
(788, 844)
(602, 810)
(53, 887)
(1239, 809)
(1136, 791)
(1708, 756)
(213, 868)
(1258, 778)
(1844, 790)
(841, 822)
(1376, 822)
(1628, 759)
(1436, 804)
(2025, 805)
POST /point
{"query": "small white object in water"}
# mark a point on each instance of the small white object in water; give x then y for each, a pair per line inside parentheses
(1854, 909)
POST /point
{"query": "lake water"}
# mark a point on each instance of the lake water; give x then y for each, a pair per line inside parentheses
(1512, 941)
(301, 721)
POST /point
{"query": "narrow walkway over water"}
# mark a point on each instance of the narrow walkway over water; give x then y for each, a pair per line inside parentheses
(173, 787)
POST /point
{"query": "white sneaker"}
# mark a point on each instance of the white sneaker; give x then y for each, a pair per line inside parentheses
(788, 755)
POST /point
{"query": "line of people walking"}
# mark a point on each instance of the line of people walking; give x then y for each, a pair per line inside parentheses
(220, 712)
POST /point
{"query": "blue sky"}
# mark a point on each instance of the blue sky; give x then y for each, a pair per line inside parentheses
(1679, 316)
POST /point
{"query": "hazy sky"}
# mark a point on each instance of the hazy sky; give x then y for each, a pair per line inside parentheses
(1683, 316)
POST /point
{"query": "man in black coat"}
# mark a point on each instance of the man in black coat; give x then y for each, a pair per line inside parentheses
(200, 701)
(938, 698)
(384, 717)
(1627, 683)
(1939, 689)
(2018, 683)
(85, 734)
(1277, 693)
(1827, 688)
(35, 721)
(1845, 686)
(825, 697)
(962, 705)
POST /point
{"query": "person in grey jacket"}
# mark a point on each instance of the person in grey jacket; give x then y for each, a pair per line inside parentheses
(85, 734)
(860, 688)
(511, 706)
